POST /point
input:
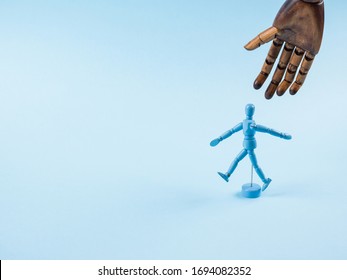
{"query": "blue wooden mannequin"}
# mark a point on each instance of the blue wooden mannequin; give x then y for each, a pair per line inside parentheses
(249, 143)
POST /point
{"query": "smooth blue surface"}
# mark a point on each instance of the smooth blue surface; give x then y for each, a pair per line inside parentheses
(106, 112)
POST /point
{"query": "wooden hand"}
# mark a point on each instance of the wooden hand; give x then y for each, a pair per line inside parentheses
(299, 27)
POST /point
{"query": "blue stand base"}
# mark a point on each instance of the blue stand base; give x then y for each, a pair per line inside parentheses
(251, 190)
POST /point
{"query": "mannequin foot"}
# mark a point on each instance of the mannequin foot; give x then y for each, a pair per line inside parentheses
(224, 176)
(266, 184)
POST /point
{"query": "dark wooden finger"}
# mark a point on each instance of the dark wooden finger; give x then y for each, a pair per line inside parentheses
(295, 61)
(300, 79)
(268, 64)
(281, 67)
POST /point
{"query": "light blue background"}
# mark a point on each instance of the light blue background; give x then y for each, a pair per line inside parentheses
(106, 114)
